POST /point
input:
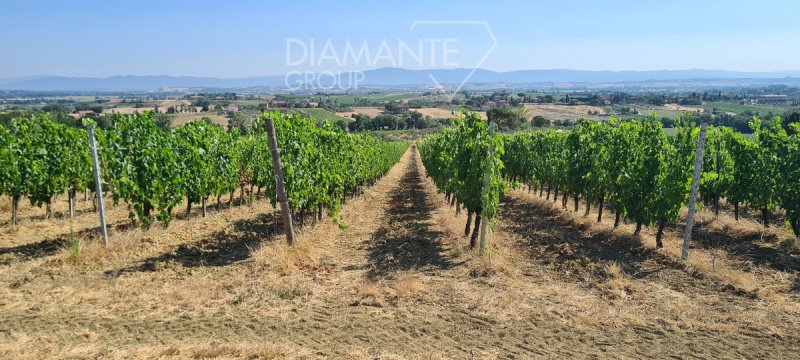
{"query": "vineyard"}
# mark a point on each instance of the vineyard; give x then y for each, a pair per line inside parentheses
(464, 162)
(152, 171)
(632, 167)
(642, 174)
(470, 243)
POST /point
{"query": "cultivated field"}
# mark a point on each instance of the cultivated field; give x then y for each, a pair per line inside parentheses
(434, 112)
(320, 114)
(184, 118)
(371, 111)
(563, 112)
(396, 282)
(439, 113)
(125, 110)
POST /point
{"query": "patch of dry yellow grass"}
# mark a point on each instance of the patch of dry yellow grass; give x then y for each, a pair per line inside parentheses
(283, 259)
(23, 347)
(370, 294)
(613, 270)
(715, 264)
(362, 354)
(408, 285)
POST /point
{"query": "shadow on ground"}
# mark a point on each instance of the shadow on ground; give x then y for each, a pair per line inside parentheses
(50, 246)
(551, 238)
(752, 246)
(407, 240)
(57, 215)
(219, 249)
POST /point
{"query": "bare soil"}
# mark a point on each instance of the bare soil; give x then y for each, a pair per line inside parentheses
(393, 279)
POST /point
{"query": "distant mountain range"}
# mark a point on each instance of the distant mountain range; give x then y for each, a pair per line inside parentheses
(389, 77)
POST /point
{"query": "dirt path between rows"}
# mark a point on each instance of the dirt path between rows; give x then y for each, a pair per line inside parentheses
(394, 279)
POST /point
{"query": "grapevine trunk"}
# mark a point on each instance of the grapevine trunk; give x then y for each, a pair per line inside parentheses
(473, 240)
(469, 222)
(14, 207)
(600, 209)
(660, 233)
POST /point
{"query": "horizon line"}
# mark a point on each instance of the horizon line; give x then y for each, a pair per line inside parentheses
(405, 69)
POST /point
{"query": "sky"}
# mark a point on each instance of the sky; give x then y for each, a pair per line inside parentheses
(232, 39)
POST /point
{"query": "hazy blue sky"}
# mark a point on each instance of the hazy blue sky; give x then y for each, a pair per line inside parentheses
(249, 38)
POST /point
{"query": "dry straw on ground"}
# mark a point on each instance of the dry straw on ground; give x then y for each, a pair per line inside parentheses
(399, 282)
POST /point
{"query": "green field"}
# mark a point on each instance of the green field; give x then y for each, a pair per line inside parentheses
(350, 98)
(320, 114)
(649, 110)
(738, 108)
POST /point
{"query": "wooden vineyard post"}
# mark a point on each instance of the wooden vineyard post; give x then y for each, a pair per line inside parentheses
(99, 185)
(281, 189)
(698, 166)
(716, 185)
(486, 184)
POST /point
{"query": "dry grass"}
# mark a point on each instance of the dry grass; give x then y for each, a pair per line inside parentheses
(283, 259)
(365, 110)
(148, 296)
(699, 304)
(362, 354)
(22, 347)
(613, 270)
(370, 294)
(618, 286)
(715, 263)
(94, 252)
(408, 285)
(499, 260)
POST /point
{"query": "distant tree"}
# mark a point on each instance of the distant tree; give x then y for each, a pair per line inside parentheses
(241, 122)
(790, 117)
(361, 123)
(342, 123)
(163, 121)
(384, 122)
(539, 121)
(203, 103)
(401, 123)
(393, 107)
(413, 118)
(97, 109)
(424, 122)
(51, 108)
(505, 118)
